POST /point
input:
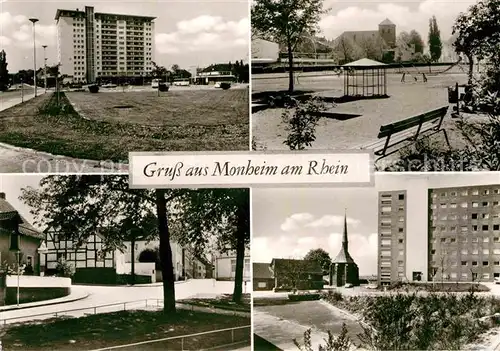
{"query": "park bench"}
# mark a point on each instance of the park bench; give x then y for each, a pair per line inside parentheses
(408, 131)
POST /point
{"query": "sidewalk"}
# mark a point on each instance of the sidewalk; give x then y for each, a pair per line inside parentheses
(75, 295)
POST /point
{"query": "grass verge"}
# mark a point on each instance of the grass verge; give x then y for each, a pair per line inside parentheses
(104, 330)
(41, 125)
(223, 302)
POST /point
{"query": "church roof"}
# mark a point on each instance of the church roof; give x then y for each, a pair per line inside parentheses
(8, 212)
(386, 22)
(343, 256)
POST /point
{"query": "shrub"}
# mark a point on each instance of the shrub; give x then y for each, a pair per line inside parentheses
(163, 87)
(225, 86)
(64, 269)
(342, 342)
(94, 88)
(300, 119)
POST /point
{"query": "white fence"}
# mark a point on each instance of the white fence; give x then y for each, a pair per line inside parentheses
(29, 281)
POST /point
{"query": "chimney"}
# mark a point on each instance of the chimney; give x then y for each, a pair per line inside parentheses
(2, 196)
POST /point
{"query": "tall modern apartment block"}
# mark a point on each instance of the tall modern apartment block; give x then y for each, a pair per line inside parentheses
(459, 241)
(95, 45)
(392, 236)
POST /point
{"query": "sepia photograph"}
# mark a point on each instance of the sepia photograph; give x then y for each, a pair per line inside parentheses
(87, 263)
(414, 82)
(84, 83)
(410, 264)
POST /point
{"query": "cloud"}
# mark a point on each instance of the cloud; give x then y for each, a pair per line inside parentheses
(405, 18)
(18, 31)
(204, 33)
(296, 221)
(331, 221)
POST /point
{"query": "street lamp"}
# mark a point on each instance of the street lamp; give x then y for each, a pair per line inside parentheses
(45, 66)
(42, 250)
(34, 20)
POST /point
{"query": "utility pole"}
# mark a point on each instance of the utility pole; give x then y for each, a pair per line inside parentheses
(34, 20)
(45, 66)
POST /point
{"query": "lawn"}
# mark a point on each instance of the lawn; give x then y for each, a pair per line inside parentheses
(175, 108)
(223, 302)
(105, 330)
(183, 121)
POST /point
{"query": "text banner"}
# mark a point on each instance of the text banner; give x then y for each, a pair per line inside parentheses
(250, 169)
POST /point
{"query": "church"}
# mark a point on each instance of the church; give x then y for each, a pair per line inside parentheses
(343, 269)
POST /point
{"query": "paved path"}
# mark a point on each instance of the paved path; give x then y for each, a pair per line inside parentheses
(406, 100)
(20, 160)
(103, 295)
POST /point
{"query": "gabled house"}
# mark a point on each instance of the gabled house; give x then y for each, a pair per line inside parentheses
(17, 232)
(225, 266)
(262, 276)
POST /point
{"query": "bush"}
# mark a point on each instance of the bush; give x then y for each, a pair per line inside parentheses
(225, 86)
(340, 343)
(303, 297)
(94, 88)
(64, 269)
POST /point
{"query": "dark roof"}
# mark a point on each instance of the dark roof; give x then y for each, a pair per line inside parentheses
(9, 212)
(305, 266)
(262, 270)
(387, 22)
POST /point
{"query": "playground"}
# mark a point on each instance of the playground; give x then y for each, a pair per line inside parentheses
(362, 118)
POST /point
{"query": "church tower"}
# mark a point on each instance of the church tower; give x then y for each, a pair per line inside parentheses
(387, 31)
(343, 269)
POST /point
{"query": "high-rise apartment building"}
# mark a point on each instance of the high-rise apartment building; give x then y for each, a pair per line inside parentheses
(458, 241)
(93, 45)
(392, 236)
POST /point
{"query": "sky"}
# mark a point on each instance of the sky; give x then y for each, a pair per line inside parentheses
(11, 185)
(188, 33)
(287, 223)
(406, 15)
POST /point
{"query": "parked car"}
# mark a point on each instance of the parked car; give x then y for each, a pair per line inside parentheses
(109, 85)
(155, 83)
(497, 280)
(217, 84)
(348, 285)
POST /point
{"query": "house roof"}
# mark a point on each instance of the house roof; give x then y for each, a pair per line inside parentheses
(262, 270)
(306, 266)
(364, 62)
(386, 22)
(7, 211)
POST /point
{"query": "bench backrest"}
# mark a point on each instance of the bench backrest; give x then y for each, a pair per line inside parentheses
(405, 124)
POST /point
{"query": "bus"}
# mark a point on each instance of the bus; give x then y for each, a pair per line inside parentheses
(182, 82)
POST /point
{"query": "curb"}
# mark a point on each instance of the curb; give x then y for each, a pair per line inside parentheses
(48, 303)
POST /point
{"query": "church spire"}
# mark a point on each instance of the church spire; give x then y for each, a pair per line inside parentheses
(345, 243)
(343, 255)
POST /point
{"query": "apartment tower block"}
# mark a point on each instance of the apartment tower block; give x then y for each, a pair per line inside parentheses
(93, 45)
(460, 241)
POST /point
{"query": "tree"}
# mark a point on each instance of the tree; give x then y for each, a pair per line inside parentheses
(416, 39)
(284, 22)
(476, 32)
(77, 205)
(4, 73)
(435, 44)
(226, 214)
(159, 72)
(347, 50)
(371, 48)
(175, 68)
(320, 256)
